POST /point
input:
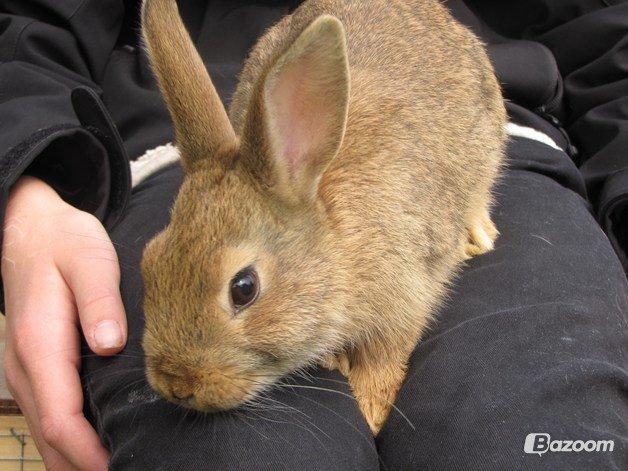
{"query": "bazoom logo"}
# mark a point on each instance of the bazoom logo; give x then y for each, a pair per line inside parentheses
(539, 443)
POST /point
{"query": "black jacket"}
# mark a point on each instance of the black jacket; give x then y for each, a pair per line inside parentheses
(77, 98)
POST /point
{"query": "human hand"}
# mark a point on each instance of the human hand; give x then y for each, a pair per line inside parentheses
(60, 270)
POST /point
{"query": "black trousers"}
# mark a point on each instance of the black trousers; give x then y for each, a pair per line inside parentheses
(532, 340)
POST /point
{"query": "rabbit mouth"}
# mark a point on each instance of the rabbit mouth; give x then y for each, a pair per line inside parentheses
(225, 395)
(208, 391)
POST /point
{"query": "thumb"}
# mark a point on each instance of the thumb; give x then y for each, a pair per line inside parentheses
(91, 270)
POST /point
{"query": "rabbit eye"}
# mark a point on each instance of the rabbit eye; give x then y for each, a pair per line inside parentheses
(244, 288)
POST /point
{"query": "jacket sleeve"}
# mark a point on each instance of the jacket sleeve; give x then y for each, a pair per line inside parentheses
(591, 50)
(53, 124)
(589, 41)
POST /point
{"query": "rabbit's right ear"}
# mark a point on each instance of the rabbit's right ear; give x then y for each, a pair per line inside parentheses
(200, 120)
(297, 117)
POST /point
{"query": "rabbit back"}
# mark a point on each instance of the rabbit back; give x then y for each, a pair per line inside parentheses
(422, 148)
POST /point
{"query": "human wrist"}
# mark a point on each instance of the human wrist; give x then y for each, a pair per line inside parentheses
(32, 194)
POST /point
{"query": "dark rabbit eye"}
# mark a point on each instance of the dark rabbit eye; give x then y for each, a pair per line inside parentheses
(244, 288)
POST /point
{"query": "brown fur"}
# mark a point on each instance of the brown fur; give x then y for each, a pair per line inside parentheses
(359, 182)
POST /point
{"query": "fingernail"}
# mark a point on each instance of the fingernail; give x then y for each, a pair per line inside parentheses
(108, 334)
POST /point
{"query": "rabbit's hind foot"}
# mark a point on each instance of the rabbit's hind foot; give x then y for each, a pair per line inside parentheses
(481, 236)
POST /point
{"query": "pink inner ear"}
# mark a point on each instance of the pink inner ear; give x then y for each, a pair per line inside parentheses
(300, 112)
(290, 116)
(291, 153)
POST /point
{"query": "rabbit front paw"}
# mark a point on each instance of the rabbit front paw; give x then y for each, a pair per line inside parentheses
(337, 361)
(375, 387)
(375, 413)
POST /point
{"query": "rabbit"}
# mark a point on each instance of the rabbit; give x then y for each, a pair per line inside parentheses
(322, 220)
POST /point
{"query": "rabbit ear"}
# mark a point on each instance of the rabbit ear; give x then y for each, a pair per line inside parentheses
(300, 109)
(200, 120)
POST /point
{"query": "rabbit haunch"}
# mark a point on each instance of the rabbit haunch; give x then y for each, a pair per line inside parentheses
(350, 180)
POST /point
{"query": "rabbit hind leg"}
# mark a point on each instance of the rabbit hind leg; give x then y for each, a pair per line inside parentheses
(481, 235)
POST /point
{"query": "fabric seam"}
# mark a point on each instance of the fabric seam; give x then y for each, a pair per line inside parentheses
(76, 10)
(18, 39)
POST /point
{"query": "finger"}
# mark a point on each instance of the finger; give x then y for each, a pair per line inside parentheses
(92, 273)
(55, 384)
(23, 396)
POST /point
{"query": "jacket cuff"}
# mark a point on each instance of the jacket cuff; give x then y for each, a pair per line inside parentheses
(86, 163)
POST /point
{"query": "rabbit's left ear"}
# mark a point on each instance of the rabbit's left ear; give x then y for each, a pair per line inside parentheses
(299, 111)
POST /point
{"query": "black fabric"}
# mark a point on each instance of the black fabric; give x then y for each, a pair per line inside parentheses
(316, 430)
(562, 60)
(559, 59)
(531, 340)
(531, 89)
(48, 51)
(588, 40)
(533, 337)
(94, 117)
(43, 154)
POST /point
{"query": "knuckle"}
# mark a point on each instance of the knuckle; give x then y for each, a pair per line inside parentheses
(85, 221)
(90, 218)
(10, 373)
(75, 214)
(54, 463)
(77, 223)
(52, 430)
(20, 341)
(20, 337)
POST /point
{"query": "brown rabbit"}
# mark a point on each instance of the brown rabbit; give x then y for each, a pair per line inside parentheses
(327, 216)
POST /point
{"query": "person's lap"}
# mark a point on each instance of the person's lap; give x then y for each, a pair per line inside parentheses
(297, 428)
(529, 341)
(532, 339)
